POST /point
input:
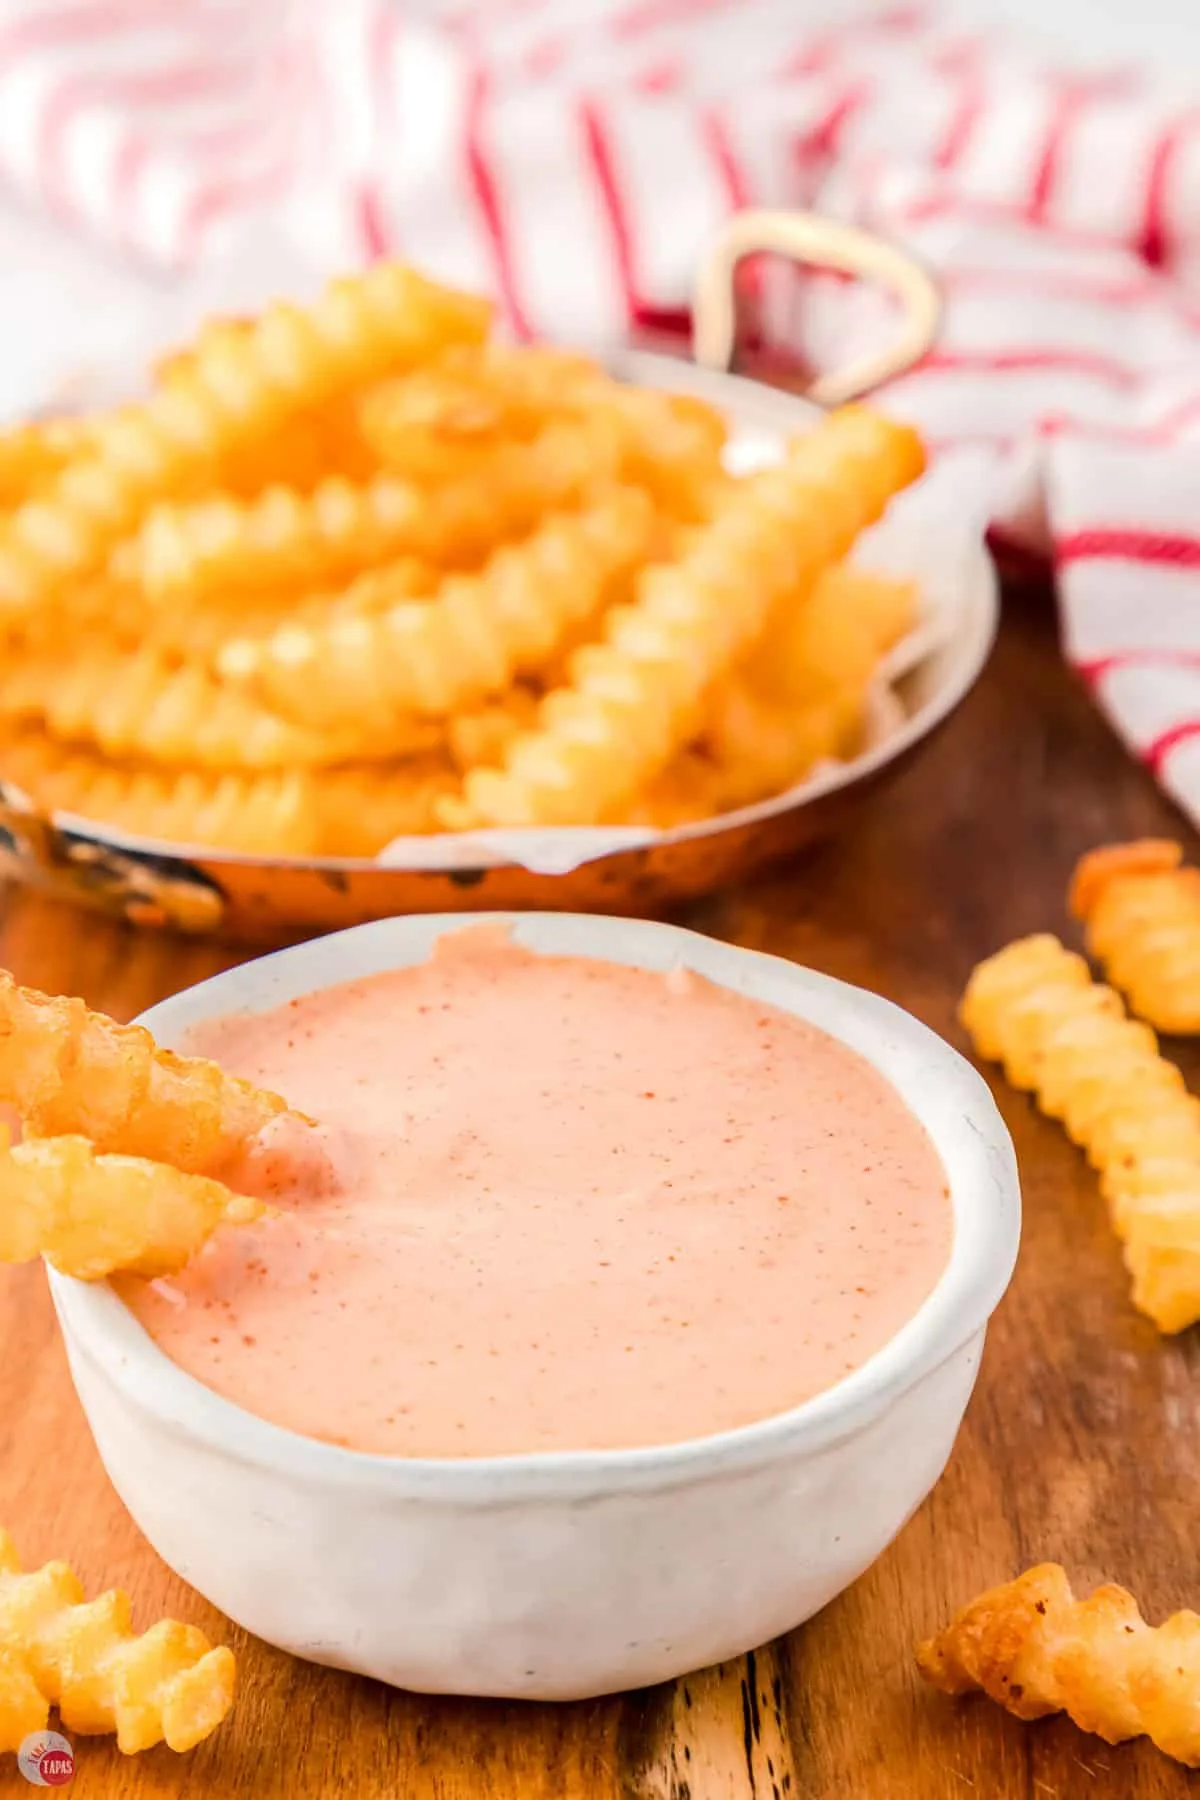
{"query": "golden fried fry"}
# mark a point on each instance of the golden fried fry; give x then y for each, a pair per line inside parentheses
(340, 529)
(196, 630)
(24, 1709)
(690, 788)
(479, 739)
(477, 400)
(758, 746)
(476, 391)
(361, 808)
(471, 640)
(831, 640)
(67, 1069)
(236, 387)
(33, 454)
(671, 446)
(1034, 1649)
(138, 706)
(799, 698)
(169, 1685)
(269, 814)
(91, 1215)
(1034, 1007)
(637, 697)
(1142, 912)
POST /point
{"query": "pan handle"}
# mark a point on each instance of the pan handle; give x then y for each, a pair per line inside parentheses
(821, 243)
(138, 886)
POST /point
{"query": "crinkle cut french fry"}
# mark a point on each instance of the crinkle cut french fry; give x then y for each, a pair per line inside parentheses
(24, 1708)
(137, 705)
(671, 446)
(342, 528)
(477, 391)
(67, 1069)
(476, 634)
(479, 739)
(1142, 914)
(92, 1215)
(636, 698)
(268, 814)
(362, 807)
(168, 1685)
(799, 698)
(1034, 1008)
(1031, 1646)
(195, 631)
(33, 454)
(760, 747)
(233, 388)
(833, 638)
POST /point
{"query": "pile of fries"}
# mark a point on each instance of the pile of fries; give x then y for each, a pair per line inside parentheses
(355, 572)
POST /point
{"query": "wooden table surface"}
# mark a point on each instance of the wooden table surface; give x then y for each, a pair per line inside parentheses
(1080, 1444)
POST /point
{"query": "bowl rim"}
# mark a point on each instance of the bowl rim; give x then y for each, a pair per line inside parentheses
(946, 1093)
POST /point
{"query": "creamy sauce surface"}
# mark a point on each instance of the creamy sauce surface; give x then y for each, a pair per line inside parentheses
(581, 1207)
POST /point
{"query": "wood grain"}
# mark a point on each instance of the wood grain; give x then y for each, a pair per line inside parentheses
(1081, 1443)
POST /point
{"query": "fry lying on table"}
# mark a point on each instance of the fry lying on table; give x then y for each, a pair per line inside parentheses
(1067, 1039)
(1035, 1649)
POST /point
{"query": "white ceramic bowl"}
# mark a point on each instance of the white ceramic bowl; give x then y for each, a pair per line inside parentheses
(555, 1576)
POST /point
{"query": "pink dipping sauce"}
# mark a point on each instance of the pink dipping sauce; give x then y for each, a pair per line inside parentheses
(584, 1207)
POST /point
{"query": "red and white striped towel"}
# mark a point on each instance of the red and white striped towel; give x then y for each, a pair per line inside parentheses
(573, 157)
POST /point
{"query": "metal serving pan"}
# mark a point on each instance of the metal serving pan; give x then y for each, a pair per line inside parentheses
(249, 899)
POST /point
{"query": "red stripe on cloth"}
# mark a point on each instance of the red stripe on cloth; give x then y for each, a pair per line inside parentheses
(544, 57)
(720, 148)
(1067, 103)
(668, 320)
(1156, 753)
(69, 25)
(659, 77)
(1096, 668)
(603, 167)
(823, 140)
(1070, 99)
(1018, 362)
(968, 109)
(971, 211)
(1126, 544)
(1058, 284)
(488, 199)
(818, 52)
(1160, 436)
(649, 15)
(374, 235)
(664, 321)
(798, 65)
(1155, 237)
(900, 21)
